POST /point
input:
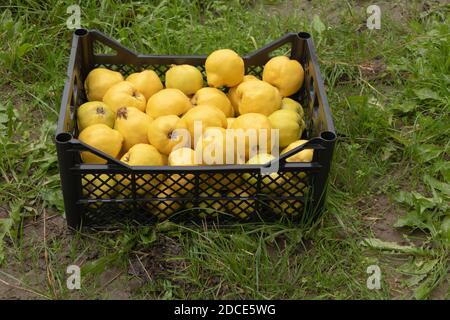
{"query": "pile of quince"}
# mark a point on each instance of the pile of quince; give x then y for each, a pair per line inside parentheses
(143, 122)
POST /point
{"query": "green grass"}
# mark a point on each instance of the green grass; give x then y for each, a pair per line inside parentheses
(393, 149)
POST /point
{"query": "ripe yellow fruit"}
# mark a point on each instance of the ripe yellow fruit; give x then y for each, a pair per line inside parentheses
(140, 155)
(165, 133)
(208, 207)
(133, 124)
(167, 102)
(146, 82)
(269, 182)
(257, 96)
(249, 77)
(143, 154)
(98, 81)
(216, 148)
(94, 112)
(253, 134)
(181, 183)
(286, 207)
(207, 116)
(230, 122)
(103, 138)
(302, 156)
(213, 97)
(224, 67)
(290, 104)
(232, 95)
(290, 207)
(182, 157)
(101, 186)
(185, 77)
(288, 123)
(124, 94)
(163, 207)
(241, 208)
(285, 74)
(224, 182)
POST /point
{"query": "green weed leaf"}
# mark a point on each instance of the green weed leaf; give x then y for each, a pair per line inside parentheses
(23, 49)
(426, 93)
(405, 198)
(418, 270)
(148, 236)
(391, 246)
(437, 185)
(412, 219)
(98, 266)
(443, 168)
(388, 151)
(428, 152)
(8, 224)
(53, 198)
(317, 25)
(405, 107)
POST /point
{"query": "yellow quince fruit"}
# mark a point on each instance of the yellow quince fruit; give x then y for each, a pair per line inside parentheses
(165, 133)
(208, 207)
(166, 102)
(140, 154)
(206, 116)
(253, 134)
(232, 96)
(98, 81)
(181, 183)
(213, 97)
(224, 67)
(243, 207)
(285, 74)
(302, 156)
(185, 77)
(94, 112)
(182, 157)
(291, 104)
(103, 138)
(147, 82)
(270, 182)
(98, 186)
(124, 94)
(289, 124)
(133, 124)
(257, 96)
(215, 147)
(163, 208)
(289, 207)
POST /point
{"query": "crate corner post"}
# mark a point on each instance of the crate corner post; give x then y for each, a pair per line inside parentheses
(70, 182)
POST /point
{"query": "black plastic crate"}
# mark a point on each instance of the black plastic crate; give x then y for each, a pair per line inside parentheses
(106, 195)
